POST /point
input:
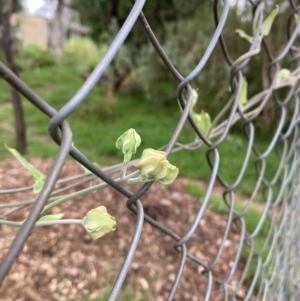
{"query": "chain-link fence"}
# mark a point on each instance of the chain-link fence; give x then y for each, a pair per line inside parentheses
(276, 275)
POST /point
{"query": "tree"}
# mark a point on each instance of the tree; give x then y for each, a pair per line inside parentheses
(7, 9)
(59, 25)
(105, 18)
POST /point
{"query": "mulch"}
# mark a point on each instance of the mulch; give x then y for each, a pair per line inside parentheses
(63, 263)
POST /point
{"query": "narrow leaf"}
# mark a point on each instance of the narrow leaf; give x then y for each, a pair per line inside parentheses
(243, 97)
(242, 34)
(35, 172)
(52, 217)
(267, 24)
(195, 98)
(296, 16)
(38, 186)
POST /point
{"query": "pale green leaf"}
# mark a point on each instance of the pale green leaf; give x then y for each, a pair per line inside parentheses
(150, 152)
(267, 24)
(170, 176)
(38, 186)
(195, 98)
(35, 172)
(243, 97)
(52, 217)
(146, 165)
(160, 171)
(242, 34)
(296, 16)
(154, 166)
(38, 176)
(203, 122)
(283, 74)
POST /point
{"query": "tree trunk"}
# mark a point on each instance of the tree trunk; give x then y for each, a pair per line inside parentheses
(20, 128)
(59, 26)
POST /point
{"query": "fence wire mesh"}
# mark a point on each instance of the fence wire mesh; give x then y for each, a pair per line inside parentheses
(276, 275)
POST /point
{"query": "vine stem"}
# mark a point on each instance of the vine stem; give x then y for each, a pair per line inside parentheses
(45, 223)
(85, 191)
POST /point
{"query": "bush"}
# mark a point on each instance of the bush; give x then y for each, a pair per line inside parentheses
(32, 56)
(185, 41)
(82, 53)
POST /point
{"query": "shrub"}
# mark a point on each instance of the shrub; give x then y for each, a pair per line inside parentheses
(32, 56)
(185, 41)
(83, 53)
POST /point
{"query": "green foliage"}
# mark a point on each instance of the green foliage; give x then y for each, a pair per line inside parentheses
(98, 14)
(185, 41)
(203, 121)
(268, 22)
(32, 56)
(242, 34)
(82, 53)
(38, 176)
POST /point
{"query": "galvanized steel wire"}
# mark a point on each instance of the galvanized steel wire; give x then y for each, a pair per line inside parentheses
(277, 277)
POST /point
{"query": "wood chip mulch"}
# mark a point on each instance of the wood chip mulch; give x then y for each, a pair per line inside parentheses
(62, 263)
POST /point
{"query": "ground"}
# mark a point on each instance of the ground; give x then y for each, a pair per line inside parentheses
(63, 263)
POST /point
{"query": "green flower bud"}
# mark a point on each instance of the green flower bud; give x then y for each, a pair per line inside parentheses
(147, 165)
(98, 222)
(128, 143)
(171, 174)
(154, 166)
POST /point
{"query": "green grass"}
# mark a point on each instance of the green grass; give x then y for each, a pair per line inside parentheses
(217, 204)
(128, 295)
(100, 120)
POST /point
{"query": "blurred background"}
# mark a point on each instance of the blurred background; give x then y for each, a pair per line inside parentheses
(55, 45)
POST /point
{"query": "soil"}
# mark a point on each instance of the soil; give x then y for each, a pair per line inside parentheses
(63, 263)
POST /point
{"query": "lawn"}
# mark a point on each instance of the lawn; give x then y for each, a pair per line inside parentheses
(101, 119)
